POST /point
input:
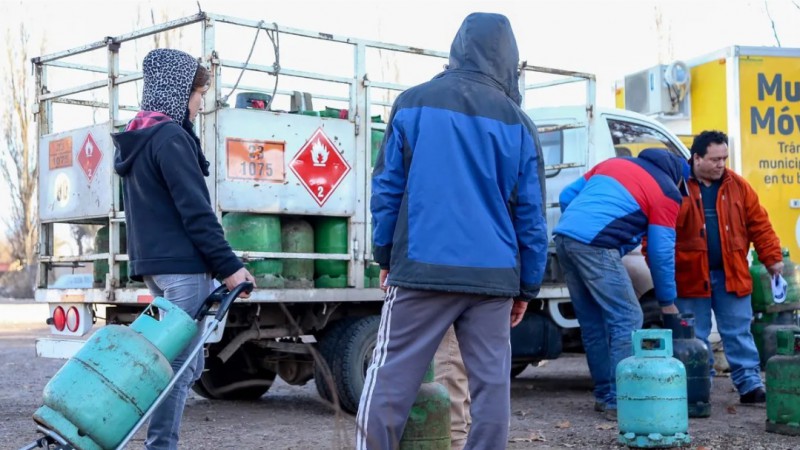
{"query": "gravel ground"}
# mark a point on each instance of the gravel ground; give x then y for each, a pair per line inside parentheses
(551, 406)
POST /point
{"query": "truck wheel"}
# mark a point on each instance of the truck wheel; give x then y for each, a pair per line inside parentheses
(352, 358)
(239, 378)
(517, 369)
(327, 343)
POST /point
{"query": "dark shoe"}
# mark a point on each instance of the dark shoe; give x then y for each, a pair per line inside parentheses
(599, 406)
(757, 395)
(611, 415)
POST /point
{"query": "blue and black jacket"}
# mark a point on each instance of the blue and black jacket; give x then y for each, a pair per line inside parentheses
(458, 187)
(620, 200)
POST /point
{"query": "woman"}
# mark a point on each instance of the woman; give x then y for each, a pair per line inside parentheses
(175, 242)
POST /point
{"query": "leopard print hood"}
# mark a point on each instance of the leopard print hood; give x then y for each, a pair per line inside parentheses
(168, 77)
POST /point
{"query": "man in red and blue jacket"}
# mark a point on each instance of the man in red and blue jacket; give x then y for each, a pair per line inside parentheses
(605, 214)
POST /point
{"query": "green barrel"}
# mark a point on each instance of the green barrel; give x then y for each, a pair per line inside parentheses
(428, 426)
(101, 265)
(783, 386)
(330, 236)
(97, 397)
(297, 236)
(257, 233)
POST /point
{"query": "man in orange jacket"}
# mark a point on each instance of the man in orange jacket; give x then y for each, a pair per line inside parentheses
(716, 224)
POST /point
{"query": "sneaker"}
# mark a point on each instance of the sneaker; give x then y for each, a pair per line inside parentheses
(599, 406)
(757, 395)
(611, 415)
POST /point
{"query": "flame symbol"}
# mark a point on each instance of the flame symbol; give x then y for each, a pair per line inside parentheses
(319, 154)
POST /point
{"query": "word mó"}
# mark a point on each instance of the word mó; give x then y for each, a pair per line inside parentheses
(784, 122)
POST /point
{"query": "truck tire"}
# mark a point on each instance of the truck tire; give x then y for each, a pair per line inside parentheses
(352, 358)
(239, 378)
(327, 343)
(517, 369)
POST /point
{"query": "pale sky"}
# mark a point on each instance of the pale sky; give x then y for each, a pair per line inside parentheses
(607, 38)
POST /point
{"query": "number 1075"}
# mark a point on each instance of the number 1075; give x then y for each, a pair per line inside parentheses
(256, 169)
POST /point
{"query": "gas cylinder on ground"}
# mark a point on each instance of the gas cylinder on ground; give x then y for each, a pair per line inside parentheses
(651, 394)
(297, 236)
(428, 426)
(100, 268)
(783, 385)
(330, 236)
(785, 320)
(97, 397)
(760, 323)
(694, 355)
(257, 233)
(762, 298)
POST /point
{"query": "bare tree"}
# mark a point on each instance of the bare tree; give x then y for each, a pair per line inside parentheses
(18, 158)
(772, 23)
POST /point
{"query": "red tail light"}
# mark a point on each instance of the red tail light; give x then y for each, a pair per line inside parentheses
(59, 318)
(73, 319)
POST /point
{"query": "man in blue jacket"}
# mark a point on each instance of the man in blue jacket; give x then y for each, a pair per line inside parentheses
(605, 213)
(459, 231)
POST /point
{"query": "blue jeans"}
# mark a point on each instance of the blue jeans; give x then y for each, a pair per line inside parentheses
(606, 306)
(187, 291)
(733, 316)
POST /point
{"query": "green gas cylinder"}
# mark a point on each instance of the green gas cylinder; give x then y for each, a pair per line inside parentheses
(377, 140)
(760, 323)
(297, 236)
(97, 397)
(428, 426)
(372, 275)
(101, 265)
(783, 385)
(784, 320)
(762, 291)
(330, 236)
(257, 233)
(791, 273)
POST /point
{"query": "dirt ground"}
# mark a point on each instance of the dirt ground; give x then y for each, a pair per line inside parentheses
(551, 405)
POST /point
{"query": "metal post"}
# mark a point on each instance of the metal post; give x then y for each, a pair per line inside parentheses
(522, 90)
(113, 277)
(208, 124)
(43, 124)
(591, 112)
(357, 229)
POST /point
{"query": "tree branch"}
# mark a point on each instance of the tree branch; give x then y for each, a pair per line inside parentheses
(772, 22)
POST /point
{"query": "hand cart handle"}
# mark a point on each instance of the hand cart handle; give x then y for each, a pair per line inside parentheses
(225, 298)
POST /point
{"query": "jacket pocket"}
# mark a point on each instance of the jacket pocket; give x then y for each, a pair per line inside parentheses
(737, 228)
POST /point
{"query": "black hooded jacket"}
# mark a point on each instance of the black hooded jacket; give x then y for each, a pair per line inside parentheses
(171, 226)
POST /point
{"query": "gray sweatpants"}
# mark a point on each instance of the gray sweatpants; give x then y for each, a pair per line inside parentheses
(412, 326)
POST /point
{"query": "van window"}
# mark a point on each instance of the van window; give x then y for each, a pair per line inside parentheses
(631, 138)
(552, 149)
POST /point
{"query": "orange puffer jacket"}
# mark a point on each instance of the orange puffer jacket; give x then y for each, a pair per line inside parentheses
(742, 220)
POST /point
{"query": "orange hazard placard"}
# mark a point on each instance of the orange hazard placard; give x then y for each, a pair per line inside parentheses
(255, 160)
(60, 153)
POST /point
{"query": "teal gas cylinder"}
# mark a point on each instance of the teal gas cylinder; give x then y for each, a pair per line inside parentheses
(330, 236)
(100, 268)
(297, 236)
(652, 394)
(783, 385)
(257, 233)
(428, 425)
(97, 397)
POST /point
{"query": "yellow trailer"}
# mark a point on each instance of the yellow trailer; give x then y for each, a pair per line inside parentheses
(753, 95)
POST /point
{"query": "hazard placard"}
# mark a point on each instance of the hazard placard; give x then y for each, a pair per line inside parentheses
(250, 159)
(320, 166)
(89, 157)
(60, 153)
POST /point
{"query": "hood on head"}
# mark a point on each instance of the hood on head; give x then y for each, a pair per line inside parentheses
(673, 165)
(168, 78)
(485, 43)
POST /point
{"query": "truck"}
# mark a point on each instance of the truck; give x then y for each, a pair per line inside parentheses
(291, 187)
(750, 93)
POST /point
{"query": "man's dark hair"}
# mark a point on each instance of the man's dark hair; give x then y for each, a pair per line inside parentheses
(706, 138)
